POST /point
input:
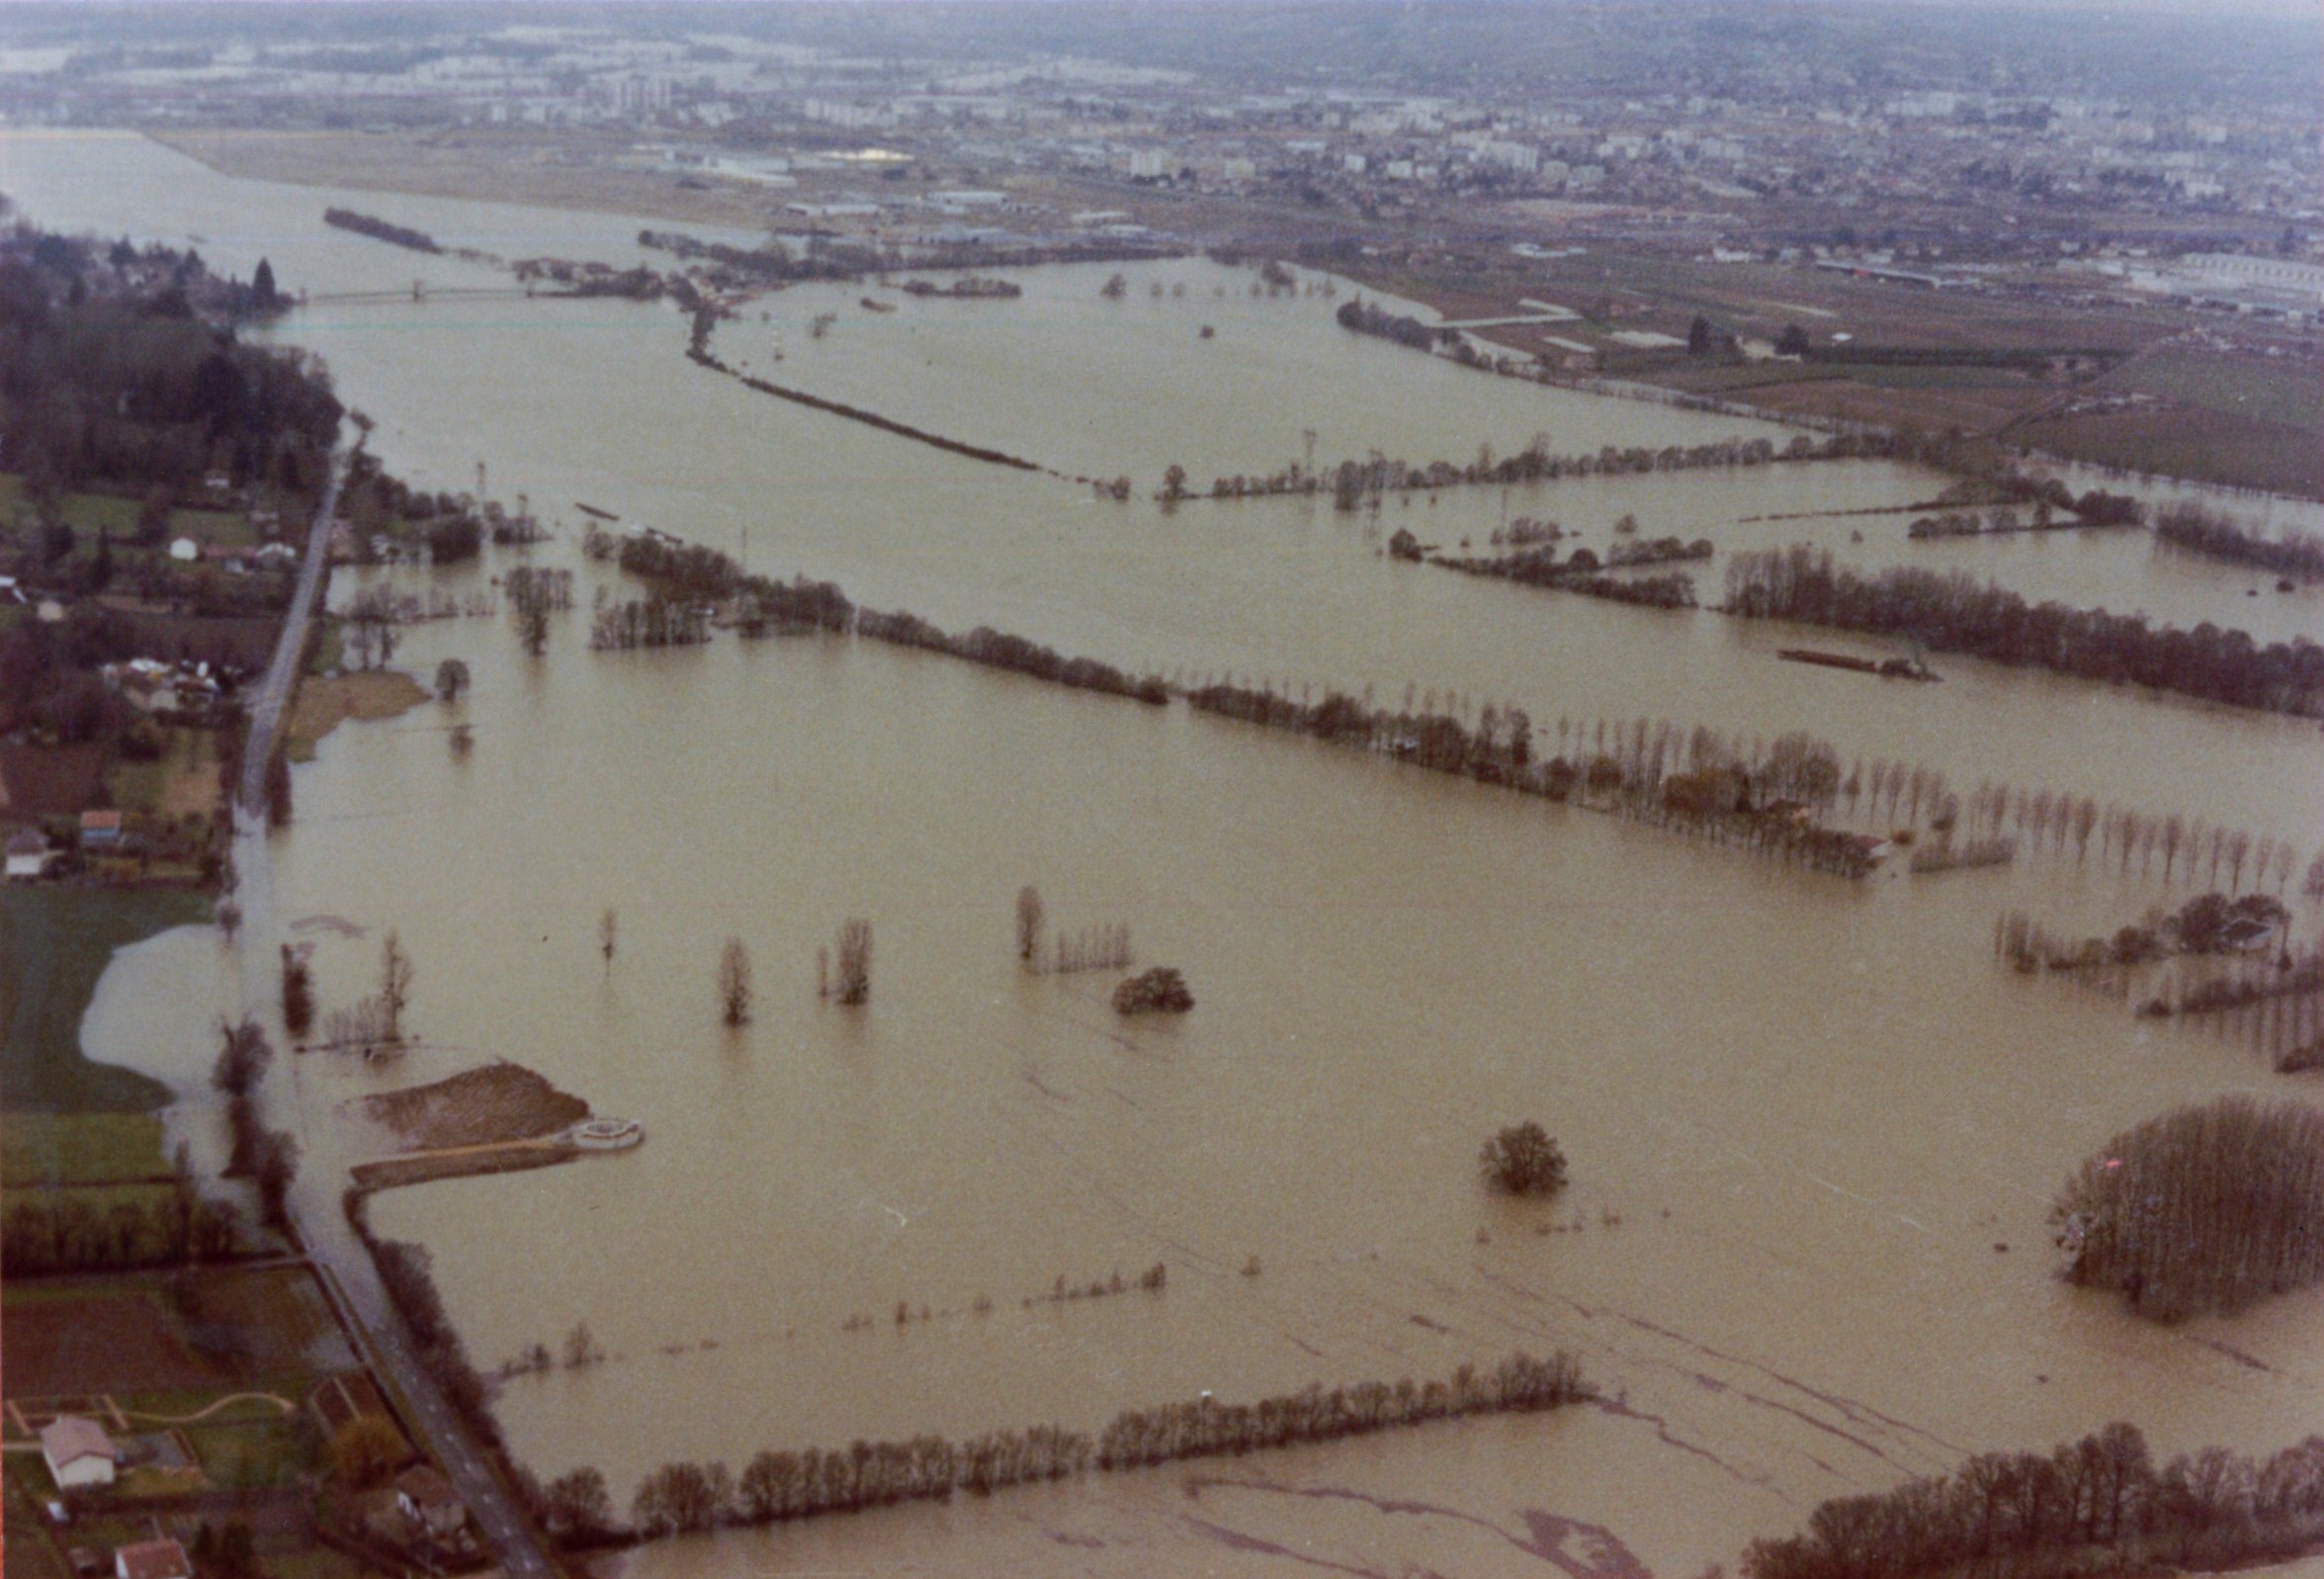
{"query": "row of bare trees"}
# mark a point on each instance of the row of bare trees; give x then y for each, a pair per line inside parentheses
(1955, 612)
(849, 984)
(63, 1229)
(372, 1025)
(407, 1272)
(2215, 535)
(649, 622)
(2090, 1509)
(775, 1486)
(268, 1158)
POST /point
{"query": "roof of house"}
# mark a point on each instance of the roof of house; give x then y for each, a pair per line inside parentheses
(100, 821)
(27, 841)
(426, 1485)
(70, 1437)
(154, 1560)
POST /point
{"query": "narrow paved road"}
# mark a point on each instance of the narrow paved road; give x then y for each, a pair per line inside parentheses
(314, 1204)
(282, 674)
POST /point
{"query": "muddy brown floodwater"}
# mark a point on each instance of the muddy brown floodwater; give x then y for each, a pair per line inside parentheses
(1804, 1116)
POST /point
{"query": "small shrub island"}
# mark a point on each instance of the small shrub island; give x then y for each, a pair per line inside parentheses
(1160, 990)
(1523, 1161)
(2207, 1208)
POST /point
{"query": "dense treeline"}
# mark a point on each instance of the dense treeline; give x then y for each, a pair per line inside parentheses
(649, 622)
(65, 1230)
(1956, 613)
(2208, 1207)
(107, 376)
(802, 605)
(1370, 317)
(999, 650)
(2089, 1509)
(407, 1272)
(1699, 784)
(698, 353)
(1581, 570)
(2214, 535)
(381, 230)
(776, 1486)
(705, 573)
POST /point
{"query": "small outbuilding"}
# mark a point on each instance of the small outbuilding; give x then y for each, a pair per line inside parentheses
(185, 548)
(100, 830)
(151, 1559)
(78, 1453)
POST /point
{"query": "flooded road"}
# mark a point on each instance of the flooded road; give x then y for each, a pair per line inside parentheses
(1802, 1114)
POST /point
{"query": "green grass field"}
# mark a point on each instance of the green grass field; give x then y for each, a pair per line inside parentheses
(54, 942)
(90, 513)
(2213, 445)
(79, 1148)
(2283, 390)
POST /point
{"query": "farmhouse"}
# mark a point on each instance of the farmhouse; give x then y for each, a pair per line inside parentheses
(100, 830)
(427, 1499)
(77, 1452)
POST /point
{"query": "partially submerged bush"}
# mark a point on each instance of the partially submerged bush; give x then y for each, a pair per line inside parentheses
(1161, 990)
(2210, 1207)
(1523, 1161)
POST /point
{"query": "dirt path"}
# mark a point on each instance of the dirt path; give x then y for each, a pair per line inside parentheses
(283, 1405)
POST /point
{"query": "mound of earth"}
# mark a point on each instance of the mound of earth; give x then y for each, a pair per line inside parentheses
(477, 1107)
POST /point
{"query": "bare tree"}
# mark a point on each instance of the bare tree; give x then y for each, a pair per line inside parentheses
(1029, 915)
(854, 982)
(242, 1057)
(396, 974)
(734, 991)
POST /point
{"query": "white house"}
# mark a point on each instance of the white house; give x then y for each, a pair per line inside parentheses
(77, 1450)
(27, 853)
(185, 548)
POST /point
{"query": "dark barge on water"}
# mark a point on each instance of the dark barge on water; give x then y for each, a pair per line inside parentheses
(1888, 669)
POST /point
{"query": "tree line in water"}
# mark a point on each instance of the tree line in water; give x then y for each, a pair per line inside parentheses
(2210, 1207)
(1580, 571)
(2089, 1509)
(1954, 612)
(2214, 535)
(681, 1498)
(1624, 767)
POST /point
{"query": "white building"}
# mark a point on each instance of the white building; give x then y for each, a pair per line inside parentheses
(77, 1450)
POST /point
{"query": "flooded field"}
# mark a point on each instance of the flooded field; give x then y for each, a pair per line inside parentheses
(1804, 1115)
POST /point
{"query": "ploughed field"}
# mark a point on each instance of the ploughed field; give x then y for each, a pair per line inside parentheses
(1803, 1114)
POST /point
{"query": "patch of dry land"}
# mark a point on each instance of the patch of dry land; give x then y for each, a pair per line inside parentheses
(497, 1105)
(567, 172)
(324, 703)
